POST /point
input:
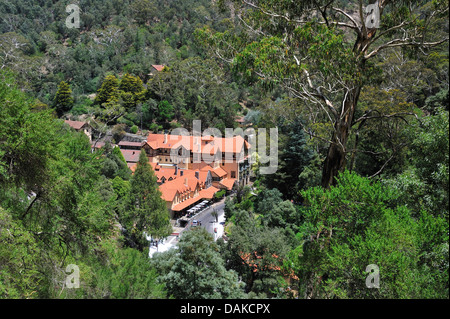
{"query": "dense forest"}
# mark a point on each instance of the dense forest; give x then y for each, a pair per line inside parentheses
(363, 122)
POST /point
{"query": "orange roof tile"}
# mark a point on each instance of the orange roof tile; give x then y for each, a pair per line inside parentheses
(168, 194)
(166, 172)
(75, 124)
(228, 183)
(209, 192)
(158, 67)
(219, 172)
(229, 144)
(186, 203)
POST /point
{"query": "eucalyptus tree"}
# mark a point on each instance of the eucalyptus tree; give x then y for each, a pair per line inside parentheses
(323, 53)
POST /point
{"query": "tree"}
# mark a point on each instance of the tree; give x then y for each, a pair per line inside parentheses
(424, 183)
(131, 84)
(256, 254)
(63, 101)
(379, 143)
(19, 252)
(194, 89)
(165, 112)
(323, 54)
(127, 275)
(114, 163)
(146, 211)
(131, 91)
(108, 90)
(196, 269)
(294, 156)
(143, 10)
(27, 139)
(53, 200)
(357, 223)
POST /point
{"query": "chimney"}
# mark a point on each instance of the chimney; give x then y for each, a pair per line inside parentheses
(165, 138)
(176, 169)
(181, 173)
(186, 181)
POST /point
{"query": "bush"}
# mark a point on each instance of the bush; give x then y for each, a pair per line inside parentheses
(220, 194)
(134, 129)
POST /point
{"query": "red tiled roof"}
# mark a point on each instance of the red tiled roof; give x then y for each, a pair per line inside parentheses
(75, 124)
(168, 194)
(166, 172)
(126, 143)
(181, 184)
(209, 192)
(186, 203)
(193, 143)
(219, 172)
(131, 156)
(158, 67)
(228, 183)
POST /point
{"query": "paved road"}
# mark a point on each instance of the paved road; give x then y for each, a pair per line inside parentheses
(207, 221)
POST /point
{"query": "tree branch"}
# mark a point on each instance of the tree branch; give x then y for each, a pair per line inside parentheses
(403, 42)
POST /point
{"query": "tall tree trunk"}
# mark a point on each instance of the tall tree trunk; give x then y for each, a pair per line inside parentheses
(335, 161)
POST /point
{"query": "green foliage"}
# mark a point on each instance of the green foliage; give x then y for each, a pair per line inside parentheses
(319, 55)
(439, 100)
(196, 269)
(146, 211)
(24, 158)
(131, 91)
(165, 112)
(55, 198)
(193, 89)
(294, 156)
(63, 101)
(18, 251)
(127, 275)
(134, 129)
(358, 223)
(114, 164)
(220, 194)
(108, 91)
(256, 253)
(425, 184)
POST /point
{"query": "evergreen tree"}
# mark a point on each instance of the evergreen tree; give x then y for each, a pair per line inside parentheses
(132, 84)
(360, 222)
(131, 91)
(295, 155)
(108, 90)
(196, 270)
(146, 211)
(63, 101)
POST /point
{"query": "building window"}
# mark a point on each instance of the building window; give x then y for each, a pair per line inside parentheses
(233, 174)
